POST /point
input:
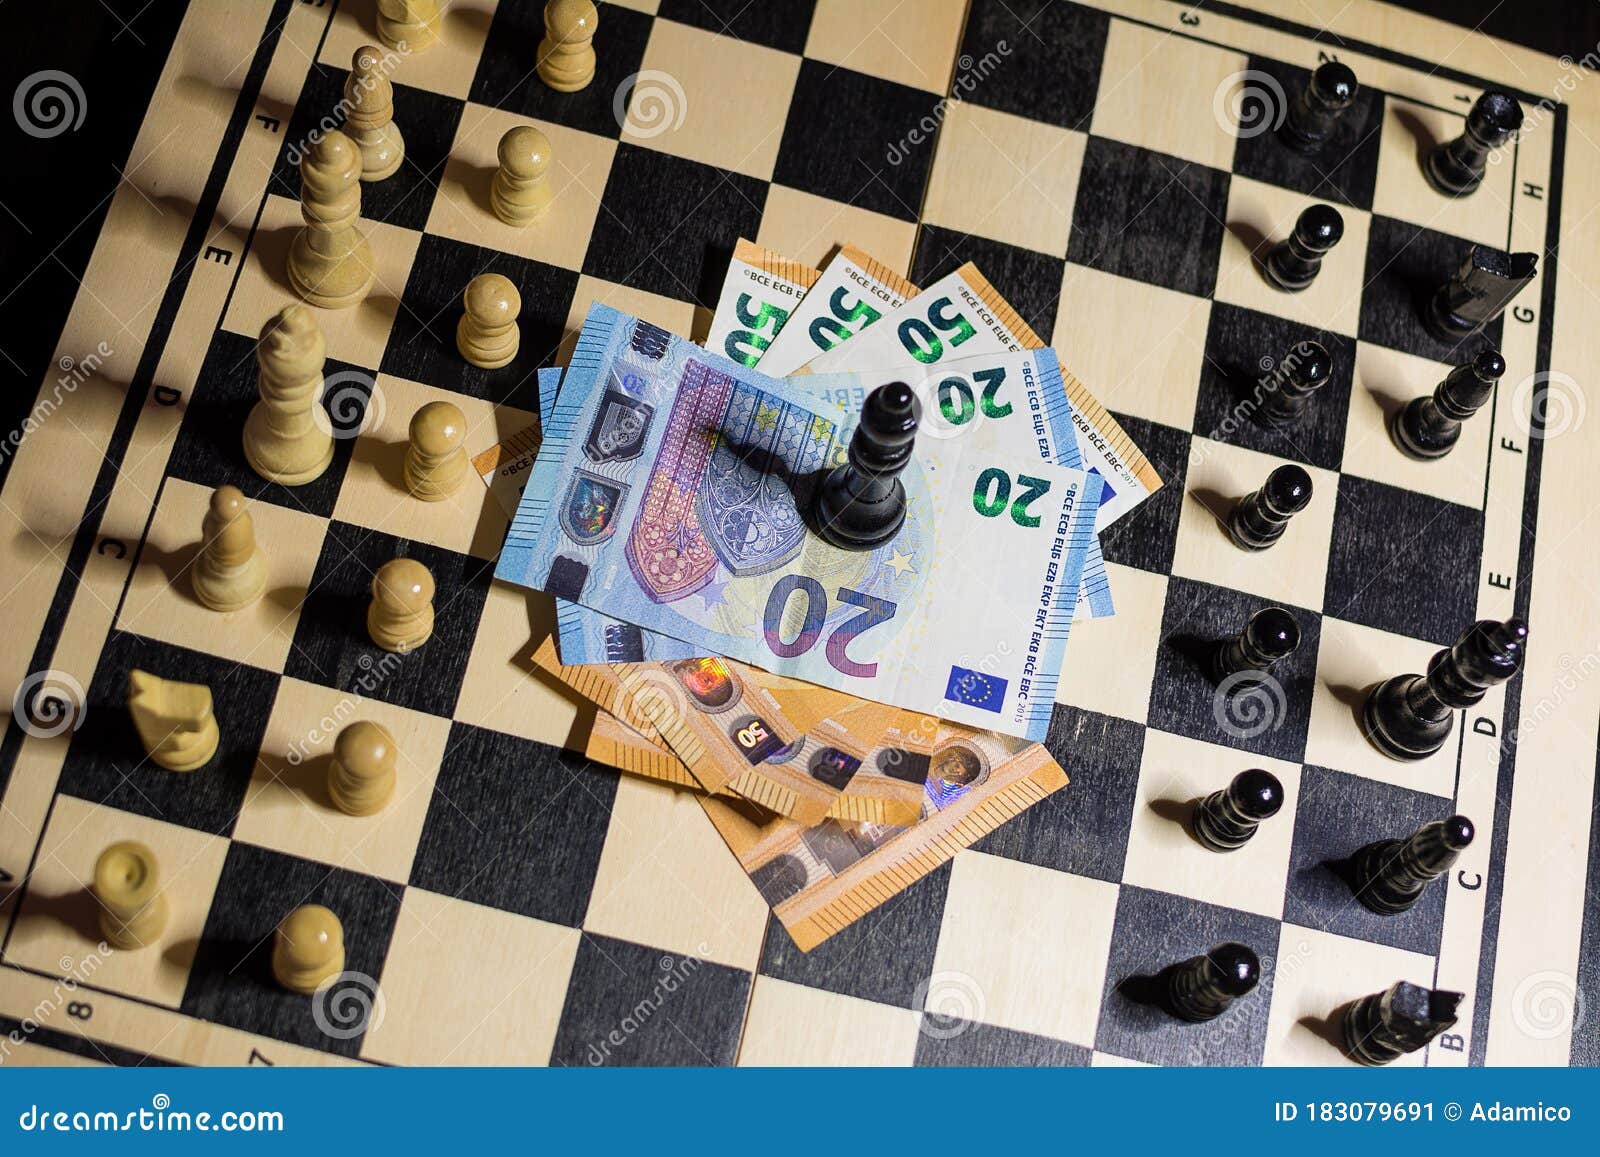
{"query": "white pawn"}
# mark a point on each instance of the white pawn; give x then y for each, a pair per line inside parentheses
(371, 99)
(283, 441)
(408, 25)
(520, 193)
(436, 462)
(400, 616)
(127, 883)
(566, 54)
(487, 334)
(308, 949)
(330, 262)
(361, 777)
(230, 573)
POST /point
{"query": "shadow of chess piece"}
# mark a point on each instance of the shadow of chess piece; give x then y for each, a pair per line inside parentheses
(862, 504)
(1410, 716)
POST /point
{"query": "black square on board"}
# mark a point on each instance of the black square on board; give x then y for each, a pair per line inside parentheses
(1049, 52)
(1402, 561)
(1032, 281)
(1149, 216)
(1269, 718)
(422, 344)
(848, 138)
(631, 1005)
(1345, 169)
(515, 825)
(950, 1042)
(231, 980)
(1154, 930)
(508, 77)
(1147, 535)
(106, 762)
(1406, 265)
(333, 649)
(782, 26)
(885, 956)
(427, 122)
(1337, 814)
(669, 225)
(210, 446)
(1245, 351)
(1082, 829)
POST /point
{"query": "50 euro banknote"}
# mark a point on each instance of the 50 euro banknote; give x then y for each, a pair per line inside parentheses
(673, 491)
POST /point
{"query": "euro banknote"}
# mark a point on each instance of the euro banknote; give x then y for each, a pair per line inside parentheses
(759, 292)
(853, 291)
(673, 492)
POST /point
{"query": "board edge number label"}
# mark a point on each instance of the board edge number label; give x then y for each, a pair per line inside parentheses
(6, 877)
(1192, 19)
(257, 1059)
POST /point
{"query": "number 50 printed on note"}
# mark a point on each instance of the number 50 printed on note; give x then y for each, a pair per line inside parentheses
(674, 488)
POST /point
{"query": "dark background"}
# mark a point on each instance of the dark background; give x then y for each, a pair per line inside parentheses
(54, 195)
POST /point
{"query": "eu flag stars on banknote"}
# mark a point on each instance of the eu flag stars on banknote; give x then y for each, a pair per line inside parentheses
(674, 492)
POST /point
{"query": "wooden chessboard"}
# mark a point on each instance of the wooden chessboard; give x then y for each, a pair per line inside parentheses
(513, 905)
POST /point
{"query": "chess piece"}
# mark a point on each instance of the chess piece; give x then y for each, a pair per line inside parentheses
(371, 119)
(1293, 264)
(174, 721)
(1271, 634)
(1456, 167)
(400, 616)
(1226, 819)
(1430, 427)
(127, 883)
(1403, 1019)
(487, 334)
(1303, 371)
(1259, 519)
(308, 949)
(520, 191)
(230, 573)
(862, 503)
(1410, 716)
(1389, 875)
(1479, 292)
(408, 25)
(435, 459)
(1313, 118)
(566, 54)
(361, 777)
(283, 440)
(330, 263)
(1204, 987)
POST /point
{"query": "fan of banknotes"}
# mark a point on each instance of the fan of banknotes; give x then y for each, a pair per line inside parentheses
(852, 718)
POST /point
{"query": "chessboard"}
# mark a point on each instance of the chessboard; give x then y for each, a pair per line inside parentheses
(1111, 168)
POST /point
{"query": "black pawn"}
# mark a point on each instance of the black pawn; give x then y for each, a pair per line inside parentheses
(1456, 167)
(1410, 716)
(1389, 875)
(1259, 519)
(1326, 97)
(1430, 427)
(862, 504)
(1400, 1020)
(1303, 371)
(1294, 264)
(1271, 634)
(1202, 988)
(1227, 818)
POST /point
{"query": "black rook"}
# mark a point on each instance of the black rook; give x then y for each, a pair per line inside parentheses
(1400, 1020)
